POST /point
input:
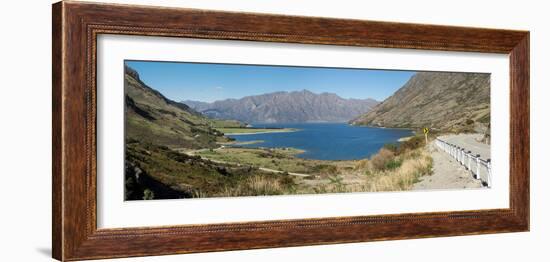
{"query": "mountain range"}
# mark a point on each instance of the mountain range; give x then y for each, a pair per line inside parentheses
(447, 101)
(442, 100)
(286, 107)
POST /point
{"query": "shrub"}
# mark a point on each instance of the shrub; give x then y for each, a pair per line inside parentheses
(391, 147)
(335, 179)
(404, 176)
(265, 155)
(411, 144)
(324, 169)
(148, 194)
(131, 140)
(336, 184)
(393, 164)
(287, 181)
(427, 169)
(379, 160)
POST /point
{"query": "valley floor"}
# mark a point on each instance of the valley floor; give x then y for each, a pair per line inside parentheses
(393, 169)
(230, 170)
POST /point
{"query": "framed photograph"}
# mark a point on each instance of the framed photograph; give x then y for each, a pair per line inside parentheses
(181, 130)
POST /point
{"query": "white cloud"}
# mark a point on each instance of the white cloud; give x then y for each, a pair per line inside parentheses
(218, 87)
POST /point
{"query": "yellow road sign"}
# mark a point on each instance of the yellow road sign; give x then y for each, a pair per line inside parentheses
(426, 130)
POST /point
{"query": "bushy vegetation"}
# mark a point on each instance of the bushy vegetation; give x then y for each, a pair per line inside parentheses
(279, 159)
(395, 166)
(157, 172)
(258, 185)
(380, 160)
(411, 144)
(231, 172)
(148, 194)
(323, 169)
(399, 172)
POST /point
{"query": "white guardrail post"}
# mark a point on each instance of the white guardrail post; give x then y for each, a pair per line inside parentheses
(455, 152)
(469, 161)
(465, 158)
(478, 161)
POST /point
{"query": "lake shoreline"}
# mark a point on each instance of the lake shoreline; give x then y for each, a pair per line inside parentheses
(282, 130)
(324, 141)
(233, 131)
(385, 127)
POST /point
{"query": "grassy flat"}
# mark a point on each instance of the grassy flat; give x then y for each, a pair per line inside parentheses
(248, 131)
(277, 158)
(220, 123)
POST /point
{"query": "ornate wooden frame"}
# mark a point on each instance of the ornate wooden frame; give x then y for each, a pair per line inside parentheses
(76, 26)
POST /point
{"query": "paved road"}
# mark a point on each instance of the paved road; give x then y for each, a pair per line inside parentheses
(470, 142)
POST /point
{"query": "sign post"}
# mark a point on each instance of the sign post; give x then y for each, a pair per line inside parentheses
(426, 131)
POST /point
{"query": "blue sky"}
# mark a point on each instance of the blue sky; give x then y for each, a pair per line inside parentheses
(210, 82)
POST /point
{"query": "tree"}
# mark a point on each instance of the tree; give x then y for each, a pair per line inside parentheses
(148, 194)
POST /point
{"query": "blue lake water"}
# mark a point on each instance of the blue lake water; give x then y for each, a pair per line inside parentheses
(327, 141)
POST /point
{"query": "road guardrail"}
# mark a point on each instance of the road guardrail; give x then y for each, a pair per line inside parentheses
(478, 167)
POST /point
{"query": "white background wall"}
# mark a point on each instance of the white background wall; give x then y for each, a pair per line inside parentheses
(25, 136)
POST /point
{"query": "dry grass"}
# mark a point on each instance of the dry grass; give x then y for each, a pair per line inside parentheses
(417, 164)
(397, 168)
(385, 171)
(373, 175)
(259, 185)
(378, 177)
(388, 170)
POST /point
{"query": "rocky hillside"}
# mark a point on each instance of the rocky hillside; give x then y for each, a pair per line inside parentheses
(157, 131)
(447, 101)
(151, 117)
(286, 107)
